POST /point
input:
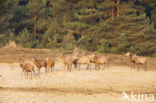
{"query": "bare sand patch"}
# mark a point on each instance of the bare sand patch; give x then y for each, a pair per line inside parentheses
(103, 86)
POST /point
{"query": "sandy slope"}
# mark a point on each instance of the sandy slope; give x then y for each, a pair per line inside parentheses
(104, 86)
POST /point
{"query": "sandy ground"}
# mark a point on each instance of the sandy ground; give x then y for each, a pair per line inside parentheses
(103, 86)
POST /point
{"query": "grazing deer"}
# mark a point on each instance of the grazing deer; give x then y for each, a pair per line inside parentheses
(26, 68)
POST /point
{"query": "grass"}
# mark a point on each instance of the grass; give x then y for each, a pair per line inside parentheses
(2, 53)
(11, 55)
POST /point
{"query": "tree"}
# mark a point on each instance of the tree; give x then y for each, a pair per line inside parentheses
(112, 26)
(3, 4)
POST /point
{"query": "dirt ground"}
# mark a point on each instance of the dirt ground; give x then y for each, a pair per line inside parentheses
(103, 86)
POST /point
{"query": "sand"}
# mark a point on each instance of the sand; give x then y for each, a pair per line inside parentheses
(59, 86)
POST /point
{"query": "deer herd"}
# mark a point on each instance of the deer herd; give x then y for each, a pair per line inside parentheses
(77, 59)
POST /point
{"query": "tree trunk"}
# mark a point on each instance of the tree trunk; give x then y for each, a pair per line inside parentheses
(112, 12)
(34, 28)
(118, 10)
(48, 3)
(92, 4)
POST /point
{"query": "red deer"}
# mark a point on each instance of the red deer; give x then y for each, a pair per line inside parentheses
(50, 63)
(40, 63)
(27, 67)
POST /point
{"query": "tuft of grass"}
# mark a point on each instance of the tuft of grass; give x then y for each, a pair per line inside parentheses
(2, 53)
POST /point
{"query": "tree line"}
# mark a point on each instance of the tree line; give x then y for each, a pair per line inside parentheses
(106, 26)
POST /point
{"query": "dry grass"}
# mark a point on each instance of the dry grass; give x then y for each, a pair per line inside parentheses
(76, 86)
(68, 87)
(11, 44)
(11, 55)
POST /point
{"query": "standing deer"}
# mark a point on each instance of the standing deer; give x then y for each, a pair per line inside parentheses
(101, 60)
(50, 63)
(132, 59)
(40, 63)
(86, 59)
(141, 61)
(67, 60)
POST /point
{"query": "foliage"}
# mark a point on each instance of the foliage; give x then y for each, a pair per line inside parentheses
(92, 25)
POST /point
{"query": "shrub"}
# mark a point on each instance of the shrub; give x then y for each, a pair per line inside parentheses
(104, 47)
(123, 44)
(26, 39)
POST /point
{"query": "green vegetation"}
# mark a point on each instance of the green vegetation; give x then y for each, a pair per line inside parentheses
(106, 26)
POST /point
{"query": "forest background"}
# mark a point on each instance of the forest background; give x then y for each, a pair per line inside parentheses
(105, 26)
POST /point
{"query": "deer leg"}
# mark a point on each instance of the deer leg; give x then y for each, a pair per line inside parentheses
(96, 66)
(69, 68)
(146, 67)
(87, 67)
(34, 73)
(26, 74)
(38, 71)
(22, 72)
(52, 68)
(108, 65)
(45, 69)
(131, 65)
(75, 64)
(48, 68)
(64, 67)
(90, 67)
(104, 65)
(31, 74)
(78, 67)
(137, 67)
